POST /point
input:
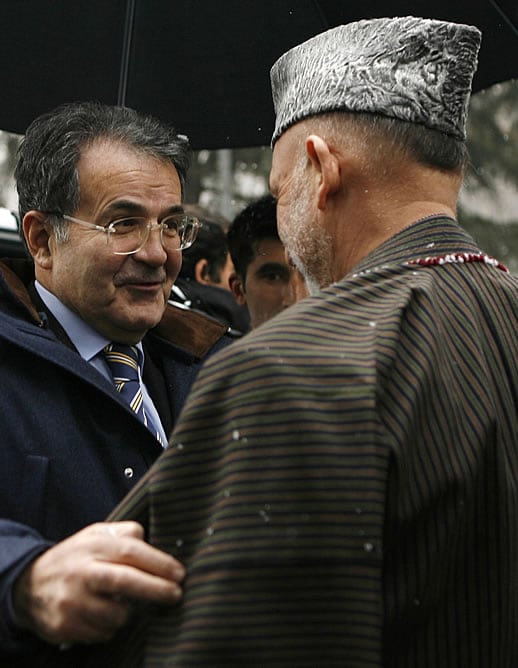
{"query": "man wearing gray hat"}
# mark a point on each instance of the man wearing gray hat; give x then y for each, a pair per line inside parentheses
(343, 483)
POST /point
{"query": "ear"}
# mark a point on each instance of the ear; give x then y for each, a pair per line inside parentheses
(327, 165)
(200, 271)
(237, 288)
(38, 235)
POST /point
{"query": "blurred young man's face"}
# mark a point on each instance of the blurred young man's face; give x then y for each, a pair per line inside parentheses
(271, 284)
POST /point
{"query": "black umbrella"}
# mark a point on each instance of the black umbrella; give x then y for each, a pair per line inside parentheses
(201, 64)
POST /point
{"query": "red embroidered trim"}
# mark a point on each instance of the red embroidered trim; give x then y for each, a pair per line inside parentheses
(461, 258)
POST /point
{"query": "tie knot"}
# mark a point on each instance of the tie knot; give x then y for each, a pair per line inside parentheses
(122, 360)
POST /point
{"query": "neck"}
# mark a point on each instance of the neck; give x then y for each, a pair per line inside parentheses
(374, 213)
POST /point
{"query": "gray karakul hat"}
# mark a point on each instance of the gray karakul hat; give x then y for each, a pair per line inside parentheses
(414, 69)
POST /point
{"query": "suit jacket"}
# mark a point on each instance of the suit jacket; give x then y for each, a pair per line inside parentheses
(343, 482)
(70, 446)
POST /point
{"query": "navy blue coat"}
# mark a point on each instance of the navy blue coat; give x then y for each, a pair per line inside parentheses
(70, 447)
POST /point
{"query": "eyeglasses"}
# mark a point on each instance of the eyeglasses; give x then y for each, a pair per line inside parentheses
(129, 235)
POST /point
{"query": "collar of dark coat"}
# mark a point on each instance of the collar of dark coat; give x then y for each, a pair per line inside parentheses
(192, 331)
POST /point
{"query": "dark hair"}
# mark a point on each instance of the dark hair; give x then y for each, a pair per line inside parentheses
(210, 245)
(255, 222)
(46, 169)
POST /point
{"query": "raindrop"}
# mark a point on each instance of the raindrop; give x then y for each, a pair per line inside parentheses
(210, 531)
(358, 511)
(226, 493)
(417, 602)
(264, 515)
(372, 323)
(431, 245)
(235, 435)
(368, 547)
(179, 446)
(179, 542)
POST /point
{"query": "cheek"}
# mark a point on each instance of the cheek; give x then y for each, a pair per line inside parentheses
(174, 264)
(268, 298)
(283, 218)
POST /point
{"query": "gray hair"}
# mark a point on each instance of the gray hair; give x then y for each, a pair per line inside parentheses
(424, 145)
(46, 167)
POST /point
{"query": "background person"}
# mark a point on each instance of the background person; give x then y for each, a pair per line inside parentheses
(263, 279)
(100, 191)
(346, 490)
(203, 281)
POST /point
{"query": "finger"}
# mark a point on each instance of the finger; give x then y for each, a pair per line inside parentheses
(133, 583)
(124, 528)
(137, 553)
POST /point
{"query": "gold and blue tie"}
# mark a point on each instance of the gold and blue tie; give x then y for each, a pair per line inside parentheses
(123, 361)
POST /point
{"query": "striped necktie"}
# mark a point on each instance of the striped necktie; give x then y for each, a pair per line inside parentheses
(123, 361)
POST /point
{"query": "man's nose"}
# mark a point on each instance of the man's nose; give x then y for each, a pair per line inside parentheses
(153, 250)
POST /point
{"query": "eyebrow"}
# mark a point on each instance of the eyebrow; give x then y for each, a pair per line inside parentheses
(269, 267)
(136, 208)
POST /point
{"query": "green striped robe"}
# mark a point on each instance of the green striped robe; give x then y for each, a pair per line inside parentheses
(343, 483)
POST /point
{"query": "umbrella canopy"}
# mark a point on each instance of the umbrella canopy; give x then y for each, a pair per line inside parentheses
(202, 65)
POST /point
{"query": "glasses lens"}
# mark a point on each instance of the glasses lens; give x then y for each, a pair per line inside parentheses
(179, 231)
(130, 234)
(171, 232)
(189, 231)
(127, 235)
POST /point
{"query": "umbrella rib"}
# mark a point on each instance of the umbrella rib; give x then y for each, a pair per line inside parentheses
(503, 14)
(129, 25)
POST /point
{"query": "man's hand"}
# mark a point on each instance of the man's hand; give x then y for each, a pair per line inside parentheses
(79, 591)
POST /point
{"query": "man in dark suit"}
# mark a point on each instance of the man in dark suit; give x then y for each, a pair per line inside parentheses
(95, 369)
(343, 483)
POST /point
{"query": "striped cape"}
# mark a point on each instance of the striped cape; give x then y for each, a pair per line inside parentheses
(343, 483)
